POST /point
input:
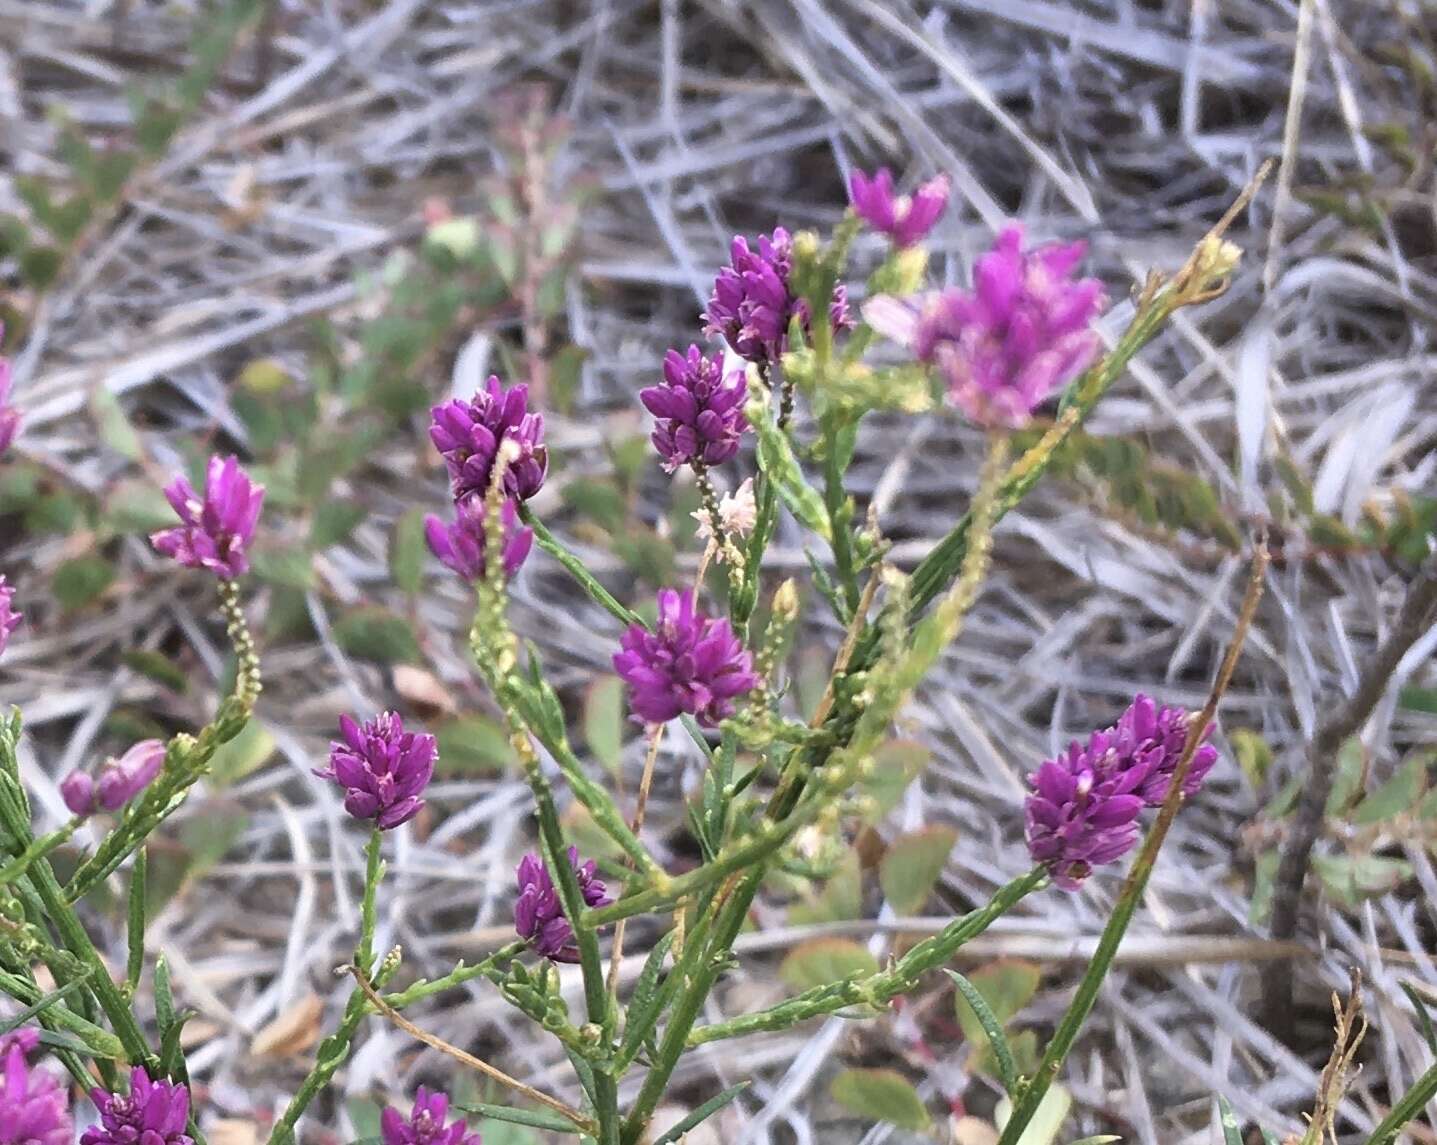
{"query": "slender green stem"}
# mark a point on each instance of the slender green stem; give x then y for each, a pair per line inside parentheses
(332, 1054)
(427, 988)
(41, 847)
(1410, 1107)
(880, 988)
(575, 568)
(840, 512)
(368, 913)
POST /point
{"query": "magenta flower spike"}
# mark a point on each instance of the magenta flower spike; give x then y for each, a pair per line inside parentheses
(152, 1113)
(1022, 333)
(1084, 807)
(9, 618)
(752, 302)
(1082, 812)
(460, 546)
(538, 914)
(34, 1109)
(218, 527)
(699, 410)
(468, 434)
(1152, 738)
(120, 780)
(690, 664)
(906, 219)
(382, 768)
(9, 415)
(425, 1123)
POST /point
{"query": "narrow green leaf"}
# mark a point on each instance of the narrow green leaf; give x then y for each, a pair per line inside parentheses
(1424, 1016)
(881, 1095)
(37, 1008)
(777, 461)
(1231, 1131)
(992, 1028)
(136, 933)
(701, 1114)
(534, 1118)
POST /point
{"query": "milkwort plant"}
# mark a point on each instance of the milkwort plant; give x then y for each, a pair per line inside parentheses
(790, 348)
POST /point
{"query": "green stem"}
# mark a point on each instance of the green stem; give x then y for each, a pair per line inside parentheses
(1410, 1107)
(880, 988)
(575, 568)
(332, 1054)
(368, 913)
(41, 847)
(427, 988)
(840, 513)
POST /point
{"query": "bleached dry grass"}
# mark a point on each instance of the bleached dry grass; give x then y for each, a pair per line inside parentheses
(1132, 123)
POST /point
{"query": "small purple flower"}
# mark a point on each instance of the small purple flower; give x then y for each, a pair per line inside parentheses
(1082, 812)
(120, 780)
(468, 434)
(9, 618)
(538, 914)
(153, 1113)
(699, 410)
(906, 219)
(217, 528)
(689, 663)
(383, 768)
(1151, 739)
(34, 1109)
(460, 546)
(9, 415)
(425, 1124)
(1019, 335)
(752, 302)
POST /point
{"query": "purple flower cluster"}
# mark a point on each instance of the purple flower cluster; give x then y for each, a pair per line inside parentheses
(753, 302)
(152, 1113)
(9, 618)
(33, 1107)
(906, 219)
(382, 768)
(218, 527)
(9, 415)
(120, 780)
(468, 434)
(425, 1124)
(460, 546)
(538, 914)
(699, 410)
(1018, 336)
(689, 664)
(1084, 808)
